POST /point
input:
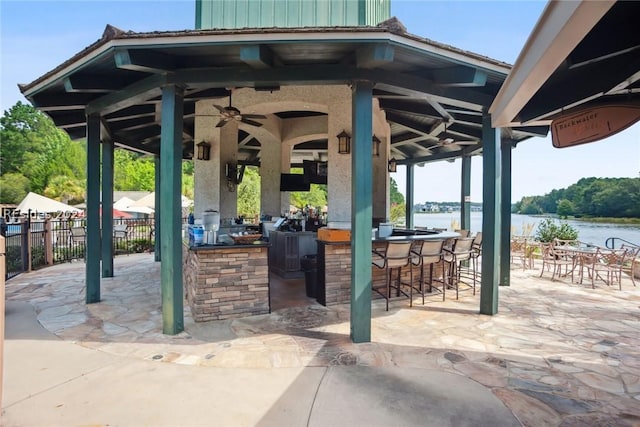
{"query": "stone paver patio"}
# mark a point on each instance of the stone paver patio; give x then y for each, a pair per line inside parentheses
(557, 353)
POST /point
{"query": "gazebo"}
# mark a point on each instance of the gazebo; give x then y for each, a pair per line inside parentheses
(154, 93)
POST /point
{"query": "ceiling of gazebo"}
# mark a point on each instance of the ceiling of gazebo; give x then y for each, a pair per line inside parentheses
(432, 94)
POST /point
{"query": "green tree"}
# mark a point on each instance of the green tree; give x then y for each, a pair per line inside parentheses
(249, 193)
(35, 148)
(13, 188)
(65, 189)
(565, 208)
(395, 196)
(133, 173)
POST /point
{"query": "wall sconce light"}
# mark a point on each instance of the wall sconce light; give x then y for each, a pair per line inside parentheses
(204, 150)
(393, 165)
(344, 143)
(376, 145)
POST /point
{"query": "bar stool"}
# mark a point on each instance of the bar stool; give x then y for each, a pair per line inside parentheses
(459, 252)
(429, 253)
(395, 256)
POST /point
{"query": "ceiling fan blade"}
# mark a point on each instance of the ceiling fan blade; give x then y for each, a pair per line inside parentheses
(254, 116)
(250, 122)
(221, 123)
(219, 108)
(466, 142)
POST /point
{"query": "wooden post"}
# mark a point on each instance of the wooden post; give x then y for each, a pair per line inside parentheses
(170, 208)
(92, 246)
(2, 311)
(505, 232)
(361, 212)
(107, 208)
(48, 241)
(491, 188)
(465, 196)
(409, 200)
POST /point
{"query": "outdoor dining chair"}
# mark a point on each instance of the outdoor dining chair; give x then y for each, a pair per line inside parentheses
(606, 265)
(395, 257)
(632, 261)
(554, 258)
(429, 253)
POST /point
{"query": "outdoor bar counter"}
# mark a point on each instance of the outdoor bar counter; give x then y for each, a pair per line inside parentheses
(226, 281)
(334, 263)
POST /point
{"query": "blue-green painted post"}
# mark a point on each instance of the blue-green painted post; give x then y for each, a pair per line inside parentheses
(409, 200)
(505, 230)
(156, 215)
(92, 246)
(491, 186)
(107, 211)
(171, 224)
(361, 211)
(465, 194)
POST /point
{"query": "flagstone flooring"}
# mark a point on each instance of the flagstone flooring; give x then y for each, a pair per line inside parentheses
(556, 353)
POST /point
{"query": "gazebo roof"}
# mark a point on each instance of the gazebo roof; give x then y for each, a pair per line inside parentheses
(581, 54)
(432, 93)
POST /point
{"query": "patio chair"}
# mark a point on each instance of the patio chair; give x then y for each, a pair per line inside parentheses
(521, 251)
(429, 253)
(554, 258)
(632, 261)
(460, 251)
(606, 265)
(120, 235)
(476, 253)
(395, 256)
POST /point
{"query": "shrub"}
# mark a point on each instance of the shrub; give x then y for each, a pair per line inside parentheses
(548, 230)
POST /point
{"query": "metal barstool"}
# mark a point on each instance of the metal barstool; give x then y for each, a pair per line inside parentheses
(429, 253)
(396, 255)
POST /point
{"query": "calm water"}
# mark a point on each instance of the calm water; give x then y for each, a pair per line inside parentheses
(590, 232)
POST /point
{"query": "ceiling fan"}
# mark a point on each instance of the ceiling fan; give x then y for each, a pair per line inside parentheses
(446, 141)
(230, 113)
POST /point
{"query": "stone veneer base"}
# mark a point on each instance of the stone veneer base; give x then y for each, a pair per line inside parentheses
(226, 282)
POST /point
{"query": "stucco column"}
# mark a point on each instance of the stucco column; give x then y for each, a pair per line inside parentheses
(339, 174)
(206, 172)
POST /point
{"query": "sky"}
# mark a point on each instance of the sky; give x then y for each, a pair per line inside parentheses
(36, 36)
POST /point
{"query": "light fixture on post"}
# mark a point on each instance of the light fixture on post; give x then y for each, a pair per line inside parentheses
(204, 150)
(393, 165)
(344, 143)
(376, 145)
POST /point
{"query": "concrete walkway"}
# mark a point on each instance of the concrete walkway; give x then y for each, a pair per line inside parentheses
(558, 353)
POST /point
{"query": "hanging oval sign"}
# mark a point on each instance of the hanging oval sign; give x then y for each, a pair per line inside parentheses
(593, 124)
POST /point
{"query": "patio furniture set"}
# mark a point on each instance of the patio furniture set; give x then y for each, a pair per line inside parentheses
(564, 258)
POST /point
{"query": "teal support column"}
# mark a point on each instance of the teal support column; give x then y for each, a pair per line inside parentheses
(505, 229)
(491, 186)
(409, 199)
(92, 246)
(157, 252)
(171, 226)
(107, 211)
(465, 194)
(361, 211)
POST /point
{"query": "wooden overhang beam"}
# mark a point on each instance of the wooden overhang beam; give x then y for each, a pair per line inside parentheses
(90, 83)
(131, 95)
(459, 76)
(143, 60)
(258, 57)
(374, 56)
(61, 102)
(410, 106)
